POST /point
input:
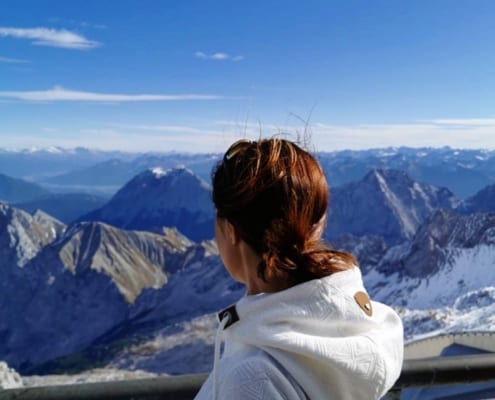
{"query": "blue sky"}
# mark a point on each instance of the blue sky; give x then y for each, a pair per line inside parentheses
(196, 75)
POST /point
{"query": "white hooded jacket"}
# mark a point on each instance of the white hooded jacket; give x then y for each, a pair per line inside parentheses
(323, 339)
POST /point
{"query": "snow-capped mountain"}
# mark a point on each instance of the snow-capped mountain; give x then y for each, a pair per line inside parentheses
(158, 198)
(443, 280)
(387, 203)
(440, 245)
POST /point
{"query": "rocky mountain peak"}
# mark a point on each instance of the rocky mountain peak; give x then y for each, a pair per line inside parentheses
(22, 236)
(387, 203)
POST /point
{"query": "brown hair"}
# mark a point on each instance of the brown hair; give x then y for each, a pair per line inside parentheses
(276, 196)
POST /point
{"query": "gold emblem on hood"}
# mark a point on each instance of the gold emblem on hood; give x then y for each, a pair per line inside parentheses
(363, 301)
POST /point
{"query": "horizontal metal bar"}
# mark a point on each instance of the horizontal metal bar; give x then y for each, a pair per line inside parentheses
(183, 387)
(437, 371)
(415, 373)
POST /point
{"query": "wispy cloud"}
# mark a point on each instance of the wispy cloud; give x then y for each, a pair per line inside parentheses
(60, 94)
(170, 129)
(12, 60)
(84, 24)
(50, 37)
(218, 56)
(465, 122)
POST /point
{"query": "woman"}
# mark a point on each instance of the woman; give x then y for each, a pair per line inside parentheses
(306, 328)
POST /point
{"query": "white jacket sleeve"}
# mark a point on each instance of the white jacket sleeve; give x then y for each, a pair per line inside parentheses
(257, 378)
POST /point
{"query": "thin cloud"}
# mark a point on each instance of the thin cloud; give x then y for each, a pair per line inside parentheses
(84, 24)
(60, 94)
(50, 37)
(170, 128)
(218, 56)
(12, 60)
(465, 122)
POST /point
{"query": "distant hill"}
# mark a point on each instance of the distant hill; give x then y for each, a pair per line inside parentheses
(14, 190)
(38, 163)
(483, 201)
(65, 207)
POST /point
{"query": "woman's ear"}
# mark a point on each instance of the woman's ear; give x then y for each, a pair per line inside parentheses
(232, 233)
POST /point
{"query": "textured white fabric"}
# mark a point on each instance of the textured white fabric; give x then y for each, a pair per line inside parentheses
(310, 341)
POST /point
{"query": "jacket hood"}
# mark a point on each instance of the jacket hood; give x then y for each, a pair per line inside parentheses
(327, 334)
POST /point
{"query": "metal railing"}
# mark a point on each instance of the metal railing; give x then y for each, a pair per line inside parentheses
(415, 373)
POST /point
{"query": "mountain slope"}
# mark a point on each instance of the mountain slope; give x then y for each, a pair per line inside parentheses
(451, 255)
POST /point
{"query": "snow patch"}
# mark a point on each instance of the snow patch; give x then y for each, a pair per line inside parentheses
(158, 172)
(9, 378)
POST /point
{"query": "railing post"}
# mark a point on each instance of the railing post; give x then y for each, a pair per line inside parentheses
(393, 394)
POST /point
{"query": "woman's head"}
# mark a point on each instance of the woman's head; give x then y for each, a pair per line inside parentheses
(275, 195)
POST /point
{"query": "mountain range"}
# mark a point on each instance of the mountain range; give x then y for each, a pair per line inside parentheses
(134, 283)
(463, 172)
(79, 284)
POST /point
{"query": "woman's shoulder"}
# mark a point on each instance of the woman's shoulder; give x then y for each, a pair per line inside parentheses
(260, 376)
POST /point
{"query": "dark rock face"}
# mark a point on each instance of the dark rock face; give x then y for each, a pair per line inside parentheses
(386, 203)
(368, 250)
